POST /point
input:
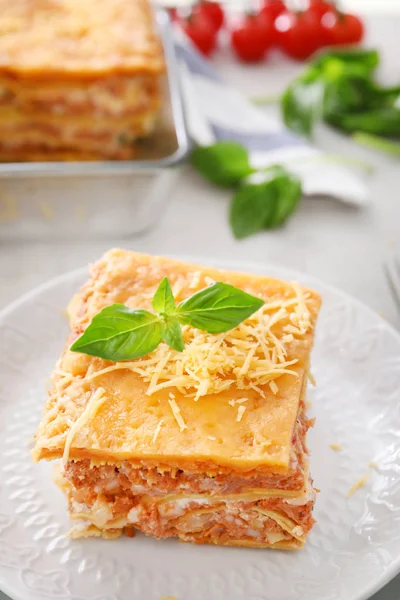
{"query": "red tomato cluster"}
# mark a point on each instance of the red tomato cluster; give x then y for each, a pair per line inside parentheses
(297, 34)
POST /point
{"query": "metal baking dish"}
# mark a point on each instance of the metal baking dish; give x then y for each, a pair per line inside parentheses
(81, 200)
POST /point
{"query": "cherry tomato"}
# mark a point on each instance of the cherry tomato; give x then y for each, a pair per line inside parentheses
(320, 7)
(202, 33)
(251, 38)
(342, 28)
(268, 23)
(298, 34)
(212, 11)
(273, 8)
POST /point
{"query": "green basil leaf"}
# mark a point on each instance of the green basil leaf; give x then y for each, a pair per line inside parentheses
(342, 95)
(353, 59)
(265, 205)
(384, 121)
(173, 334)
(120, 333)
(218, 308)
(301, 103)
(223, 163)
(389, 96)
(288, 193)
(335, 68)
(163, 300)
(355, 94)
(252, 207)
(335, 81)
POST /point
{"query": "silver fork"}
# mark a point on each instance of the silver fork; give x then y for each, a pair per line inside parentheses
(392, 273)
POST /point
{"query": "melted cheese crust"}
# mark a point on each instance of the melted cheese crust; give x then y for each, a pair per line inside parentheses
(124, 426)
(77, 39)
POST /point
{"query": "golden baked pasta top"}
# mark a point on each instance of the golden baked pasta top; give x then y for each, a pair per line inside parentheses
(75, 38)
(227, 402)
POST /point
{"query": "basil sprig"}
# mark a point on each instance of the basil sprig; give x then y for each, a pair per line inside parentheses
(254, 206)
(120, 333)
(339, 87)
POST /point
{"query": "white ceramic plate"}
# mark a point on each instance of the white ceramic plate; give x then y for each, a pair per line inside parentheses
(352, 551)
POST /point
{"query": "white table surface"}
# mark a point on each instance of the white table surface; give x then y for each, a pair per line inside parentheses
(344, 246)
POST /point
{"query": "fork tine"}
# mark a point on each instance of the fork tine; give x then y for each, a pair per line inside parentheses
(392, 272)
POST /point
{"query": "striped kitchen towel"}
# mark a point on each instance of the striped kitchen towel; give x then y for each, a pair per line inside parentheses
(215, 112)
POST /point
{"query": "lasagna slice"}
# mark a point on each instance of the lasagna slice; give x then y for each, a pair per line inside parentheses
(78, 80)
(207, 445)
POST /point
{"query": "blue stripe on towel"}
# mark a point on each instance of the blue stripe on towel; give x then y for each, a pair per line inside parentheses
(196, 63)
(258, 142)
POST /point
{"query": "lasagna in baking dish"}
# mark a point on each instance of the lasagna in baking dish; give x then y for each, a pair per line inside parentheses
(208, 444)
(78, 80)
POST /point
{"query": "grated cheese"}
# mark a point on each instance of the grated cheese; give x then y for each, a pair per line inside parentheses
(178, 287)
(251, 356)
(177, 414)
(273, 387)
(257, 389)
(194, 284)
(358, 484)
(311, 379)
(300, 317)
(93, 405)
(212, 438)
(239, 401)
(289, 337)
(157, 430)
(241, 411)
(336, 447)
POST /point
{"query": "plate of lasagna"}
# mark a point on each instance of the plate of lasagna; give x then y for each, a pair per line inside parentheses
(181, 408)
